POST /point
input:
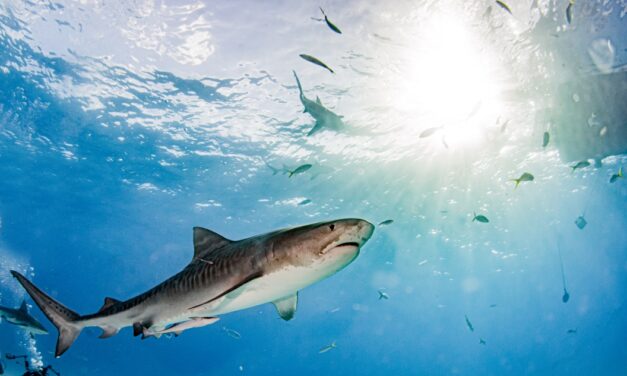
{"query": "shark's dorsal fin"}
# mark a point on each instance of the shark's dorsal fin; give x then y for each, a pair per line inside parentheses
(206, 241)
(318, 100)
(108, 302)
(286, 306)
(24, 307)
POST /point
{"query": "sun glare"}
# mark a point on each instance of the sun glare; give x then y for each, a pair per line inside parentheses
(448, 83)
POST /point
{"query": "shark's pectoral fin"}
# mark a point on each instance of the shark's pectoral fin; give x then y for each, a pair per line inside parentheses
(317, 127)
(108, 331)
(108, 302)
(241, 283)
(206, 241)
(286, 306)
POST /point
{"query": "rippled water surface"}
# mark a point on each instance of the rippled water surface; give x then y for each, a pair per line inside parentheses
(123, 124)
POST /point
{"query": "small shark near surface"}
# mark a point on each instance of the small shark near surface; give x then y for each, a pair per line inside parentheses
(324, 117)
(22, 318)
(224, 276)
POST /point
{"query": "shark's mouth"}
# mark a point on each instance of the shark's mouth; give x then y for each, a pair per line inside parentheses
(339, 246)
(348, 244)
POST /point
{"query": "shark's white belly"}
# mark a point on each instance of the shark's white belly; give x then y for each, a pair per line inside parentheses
(273, 286)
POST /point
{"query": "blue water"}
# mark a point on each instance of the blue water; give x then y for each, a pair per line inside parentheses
(125, 124)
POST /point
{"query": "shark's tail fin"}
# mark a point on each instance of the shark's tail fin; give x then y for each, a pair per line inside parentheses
(63, 318)
(300, 88)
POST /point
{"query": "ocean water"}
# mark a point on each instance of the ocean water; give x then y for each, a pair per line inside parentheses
(123, 124)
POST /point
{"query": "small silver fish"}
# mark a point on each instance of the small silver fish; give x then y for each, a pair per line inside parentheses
(545, 139)
(569, 12)
(504, 6)
(232, 333)
(581, 222)
(480, 218)
(386, 222)
(469, 324)
(581, 164)
(299, 170)
(304, 202)
(429, 132)
(524, 177)
(329, 23)
(327, 348)
(316, 61)
(481, 341)
(383, 295)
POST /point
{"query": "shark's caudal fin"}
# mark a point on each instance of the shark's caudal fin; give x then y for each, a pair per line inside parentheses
(64, 319)
(300, 88)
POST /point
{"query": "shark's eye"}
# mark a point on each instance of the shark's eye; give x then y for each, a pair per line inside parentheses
(332, 227)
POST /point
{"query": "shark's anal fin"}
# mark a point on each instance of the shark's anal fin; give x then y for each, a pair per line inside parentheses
(108, 302)
(286, 306)
(232, 288)
(206, 241)
(108, 331)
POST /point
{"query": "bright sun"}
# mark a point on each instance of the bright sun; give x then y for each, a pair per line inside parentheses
(448, 83)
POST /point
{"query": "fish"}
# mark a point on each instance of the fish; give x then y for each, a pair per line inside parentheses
(325, 118)
(481, 341)
(569, 12)
(469, 324)
(20, 317)
(572, 331)
(299, 170)
(581, 222)
(504, 6)
(316, 61)
(329, 23)
(524, 177)
(386, 222)
(492, 305)
(267, 268)
(304, 202)
(232, 333)
(580, 164)
(327, 348)
(480, 218)
(617, 176)
(545, 139)
(429, 132)
(383, 295)
(566, 295)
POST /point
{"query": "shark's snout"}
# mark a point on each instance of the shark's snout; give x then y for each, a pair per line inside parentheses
(355, 232)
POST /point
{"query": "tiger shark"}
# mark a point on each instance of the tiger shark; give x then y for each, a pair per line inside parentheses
(324, 117)
(21, 318)
(224, 276)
